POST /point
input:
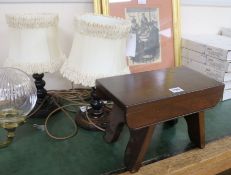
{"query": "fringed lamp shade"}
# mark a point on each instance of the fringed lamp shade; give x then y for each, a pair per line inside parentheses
(98, 49)
(34, 44)
(34, 48)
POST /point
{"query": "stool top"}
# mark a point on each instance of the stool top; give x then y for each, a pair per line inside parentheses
(140, 88)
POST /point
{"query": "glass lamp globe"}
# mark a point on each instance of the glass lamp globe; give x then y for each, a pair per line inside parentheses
(18, 96)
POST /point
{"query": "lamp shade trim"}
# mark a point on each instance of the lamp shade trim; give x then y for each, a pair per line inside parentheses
(41, 20)
(70, 72)
(31, 68)
(102, 26)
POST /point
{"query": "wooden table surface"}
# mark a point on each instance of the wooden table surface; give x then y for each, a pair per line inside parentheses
(135, 89)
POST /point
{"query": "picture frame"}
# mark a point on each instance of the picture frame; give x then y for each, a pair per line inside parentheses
(164, 15)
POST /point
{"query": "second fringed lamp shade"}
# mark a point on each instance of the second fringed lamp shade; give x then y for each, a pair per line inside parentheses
(34, 42)
(98, 49)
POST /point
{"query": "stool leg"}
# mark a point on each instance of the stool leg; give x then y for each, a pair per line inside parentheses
(196, 128)
(115, 124)
(137, 147)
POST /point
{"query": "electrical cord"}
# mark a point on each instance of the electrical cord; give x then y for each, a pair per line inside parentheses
(91, 122)
(76, 97)
(73, 95)
(66, 114)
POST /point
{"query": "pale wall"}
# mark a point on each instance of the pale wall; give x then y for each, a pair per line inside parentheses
(201, 20)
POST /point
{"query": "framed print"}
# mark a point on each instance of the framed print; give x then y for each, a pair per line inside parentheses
(154, 39)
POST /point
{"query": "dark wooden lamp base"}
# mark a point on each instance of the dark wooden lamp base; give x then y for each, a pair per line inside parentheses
(44, 110)
(44, 101)
(99, 120)
(98, 114)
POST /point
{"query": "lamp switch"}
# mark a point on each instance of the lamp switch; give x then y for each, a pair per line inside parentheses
(83, 108)
(39, 127)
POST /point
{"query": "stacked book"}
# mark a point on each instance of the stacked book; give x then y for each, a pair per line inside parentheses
(211, 56)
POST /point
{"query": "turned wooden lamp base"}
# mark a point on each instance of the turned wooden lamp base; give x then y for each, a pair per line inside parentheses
(45, 102)
(45, 109)
(82, 119)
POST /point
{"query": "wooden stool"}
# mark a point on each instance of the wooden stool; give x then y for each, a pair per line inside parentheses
(145, 99)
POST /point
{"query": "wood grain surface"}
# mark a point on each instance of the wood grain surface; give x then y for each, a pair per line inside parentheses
(215, 158)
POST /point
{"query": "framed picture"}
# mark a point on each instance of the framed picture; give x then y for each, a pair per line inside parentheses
(154, 39)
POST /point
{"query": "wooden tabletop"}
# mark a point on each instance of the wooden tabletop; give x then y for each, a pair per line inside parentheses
(134, 89)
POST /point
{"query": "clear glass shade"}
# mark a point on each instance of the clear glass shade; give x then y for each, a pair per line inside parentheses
(18, 95)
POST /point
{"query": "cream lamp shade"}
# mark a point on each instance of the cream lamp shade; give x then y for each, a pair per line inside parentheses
(34, 46)
(98, 49)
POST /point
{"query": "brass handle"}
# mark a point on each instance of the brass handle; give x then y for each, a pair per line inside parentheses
(9, 139)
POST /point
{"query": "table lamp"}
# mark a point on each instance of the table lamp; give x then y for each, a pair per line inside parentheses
(98, 51)
(34, 48)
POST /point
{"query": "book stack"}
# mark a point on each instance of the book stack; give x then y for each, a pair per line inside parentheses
(211, 56)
